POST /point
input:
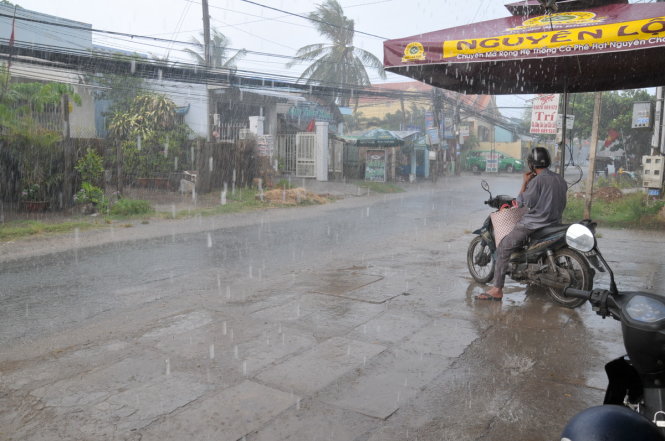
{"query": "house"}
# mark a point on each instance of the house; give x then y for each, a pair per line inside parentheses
(216, 104)
(29, 34)
(476, 112)
(461, 117)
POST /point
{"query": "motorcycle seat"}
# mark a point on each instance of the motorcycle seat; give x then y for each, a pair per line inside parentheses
(548, 231)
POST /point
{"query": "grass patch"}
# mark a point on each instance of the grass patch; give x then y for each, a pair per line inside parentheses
(244, 199)
(630, 211)
(19, 229)
(131, 207)
(381, 187)
(285, 184)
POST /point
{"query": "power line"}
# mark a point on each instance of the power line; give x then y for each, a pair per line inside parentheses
(312, 19)
(155, 39)
(102, 63)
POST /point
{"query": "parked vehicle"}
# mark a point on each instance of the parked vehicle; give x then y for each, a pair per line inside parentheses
(634, 404)
(476, 160)
(546, 260)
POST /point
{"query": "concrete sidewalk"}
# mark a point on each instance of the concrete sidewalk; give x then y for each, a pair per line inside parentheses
(385, 343)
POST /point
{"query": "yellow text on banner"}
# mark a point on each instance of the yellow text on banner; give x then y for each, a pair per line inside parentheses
(651, 31)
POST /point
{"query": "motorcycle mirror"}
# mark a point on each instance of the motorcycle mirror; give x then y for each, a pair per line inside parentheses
(580, 238)
(485, 185)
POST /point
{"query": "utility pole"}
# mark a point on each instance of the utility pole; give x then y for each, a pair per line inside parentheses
(592, 154)
(67, 150)
(562, 146)
(208, 64)
(401, 101)
(658, 132)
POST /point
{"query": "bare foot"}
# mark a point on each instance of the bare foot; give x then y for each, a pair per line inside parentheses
(495, 292)
(485, 296)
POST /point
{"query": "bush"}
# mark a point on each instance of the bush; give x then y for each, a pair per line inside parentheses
(633, 210)
(89, 194)
(129, 207)
(91, 167)
(284, 184)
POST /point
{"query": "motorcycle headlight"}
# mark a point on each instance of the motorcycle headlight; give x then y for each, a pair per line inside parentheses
(645, 309)
(580, 238)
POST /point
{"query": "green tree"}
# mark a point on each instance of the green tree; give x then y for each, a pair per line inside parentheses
(29, 152)
(152, 141)
(616, 113)
(338, 62)
(148, 113)
(91, 167)
(219, 52)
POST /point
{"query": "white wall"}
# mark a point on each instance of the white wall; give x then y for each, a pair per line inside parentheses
(183, 94)
(82, 117)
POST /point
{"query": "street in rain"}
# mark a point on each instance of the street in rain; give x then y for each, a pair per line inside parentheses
(240, 220)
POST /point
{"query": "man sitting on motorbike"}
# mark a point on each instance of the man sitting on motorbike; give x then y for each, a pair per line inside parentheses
(543, 192)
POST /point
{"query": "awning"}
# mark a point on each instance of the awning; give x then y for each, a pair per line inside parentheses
(274, 94)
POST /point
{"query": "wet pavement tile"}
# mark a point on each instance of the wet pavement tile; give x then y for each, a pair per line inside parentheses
(313, 420)
(385, 384)
(223, 415)
(314, 369)
(391, 326)
(446, 337)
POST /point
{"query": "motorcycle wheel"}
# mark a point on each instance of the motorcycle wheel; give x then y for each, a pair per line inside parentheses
(480, 260)
(580, 274)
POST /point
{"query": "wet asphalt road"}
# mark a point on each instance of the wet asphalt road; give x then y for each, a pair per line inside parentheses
(350, 321)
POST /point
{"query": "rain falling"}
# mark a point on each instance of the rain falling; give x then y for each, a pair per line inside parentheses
(237, 220)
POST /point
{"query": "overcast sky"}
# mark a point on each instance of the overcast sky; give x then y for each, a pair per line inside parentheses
(263, 30)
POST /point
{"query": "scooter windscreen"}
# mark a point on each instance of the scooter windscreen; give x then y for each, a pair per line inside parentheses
(643, 323)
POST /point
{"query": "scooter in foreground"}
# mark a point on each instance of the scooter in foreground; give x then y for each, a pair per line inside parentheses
(634, 404)
(546, 260)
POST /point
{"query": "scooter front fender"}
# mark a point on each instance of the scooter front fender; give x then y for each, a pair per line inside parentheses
(623, 380)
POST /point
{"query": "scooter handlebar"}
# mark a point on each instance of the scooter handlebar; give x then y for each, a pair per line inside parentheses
(577, 293)
(601, 299)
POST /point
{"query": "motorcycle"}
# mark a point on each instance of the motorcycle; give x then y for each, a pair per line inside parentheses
(634, 404)
(546, 260)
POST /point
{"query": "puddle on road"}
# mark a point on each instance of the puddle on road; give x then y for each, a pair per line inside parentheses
(353, 284)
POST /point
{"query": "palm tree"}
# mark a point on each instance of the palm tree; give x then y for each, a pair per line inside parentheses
(337, 63)
(219, 52)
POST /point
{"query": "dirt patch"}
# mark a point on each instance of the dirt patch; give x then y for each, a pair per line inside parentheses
(293, 196)
(608, 194)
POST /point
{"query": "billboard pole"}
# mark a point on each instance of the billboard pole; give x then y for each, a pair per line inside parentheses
(562, 147)
(592, 154)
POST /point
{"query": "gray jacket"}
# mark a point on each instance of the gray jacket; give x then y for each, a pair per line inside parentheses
(545, 198)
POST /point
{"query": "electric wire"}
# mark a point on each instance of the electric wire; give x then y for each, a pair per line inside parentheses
(312, 19)
(132, 38)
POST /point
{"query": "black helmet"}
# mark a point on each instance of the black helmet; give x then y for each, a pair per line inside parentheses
(610, 423)
(539, 158)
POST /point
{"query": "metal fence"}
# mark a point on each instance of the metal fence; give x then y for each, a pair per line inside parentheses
(286, 152)
(231, 132)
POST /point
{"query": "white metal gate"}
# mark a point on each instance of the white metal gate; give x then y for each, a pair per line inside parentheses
(306, 155)
(286, 152)
(335, 156)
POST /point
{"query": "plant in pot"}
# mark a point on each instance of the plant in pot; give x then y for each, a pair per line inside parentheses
(90, 198)
(32, 198)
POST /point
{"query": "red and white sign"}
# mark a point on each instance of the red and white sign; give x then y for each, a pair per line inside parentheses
(544, 114)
